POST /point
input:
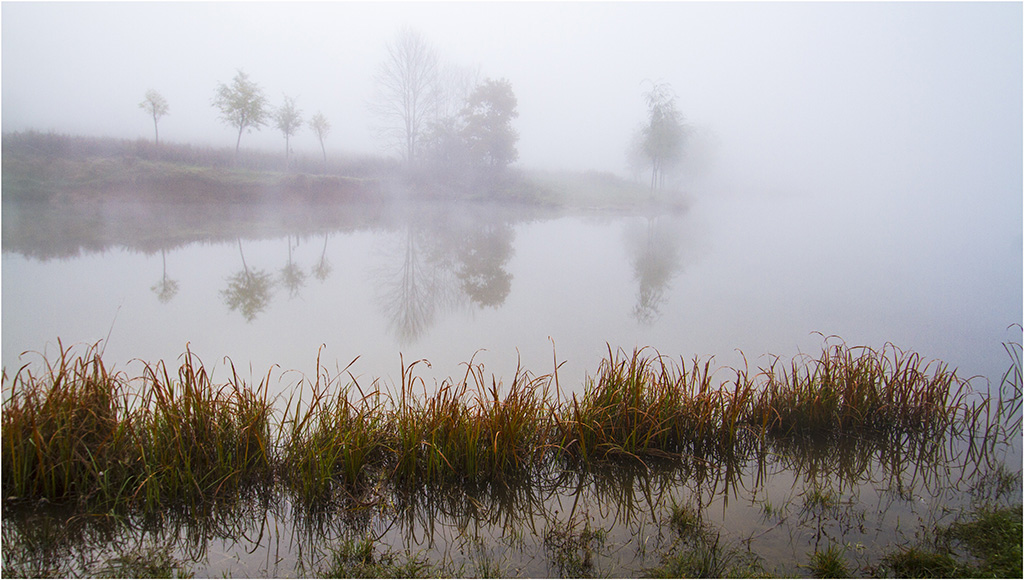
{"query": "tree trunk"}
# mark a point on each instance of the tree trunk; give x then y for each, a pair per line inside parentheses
(286, 153)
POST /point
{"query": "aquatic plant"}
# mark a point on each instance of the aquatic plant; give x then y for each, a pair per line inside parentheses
(79, 430)
(829, 563)
(196, 439)
(985, 544)
(572, 548)
(447, 436)
(858, 390)
(332, 439)
(63, 430)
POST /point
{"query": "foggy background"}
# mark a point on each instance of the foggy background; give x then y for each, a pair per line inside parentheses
(792, 95)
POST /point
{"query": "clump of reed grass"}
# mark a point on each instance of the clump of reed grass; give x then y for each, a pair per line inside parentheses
(333, 439)
(641, 405)
(80, 430)
(858, 390)
(63, 430)
(449, 435)
(197, 439)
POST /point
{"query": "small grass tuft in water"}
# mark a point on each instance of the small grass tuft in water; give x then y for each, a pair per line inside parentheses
(986, 545)
(829, 563)
(358, 559)
(572, 549)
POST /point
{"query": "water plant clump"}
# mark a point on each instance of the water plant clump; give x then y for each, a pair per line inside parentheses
(450, 436)
(858, 390)
(82, 431)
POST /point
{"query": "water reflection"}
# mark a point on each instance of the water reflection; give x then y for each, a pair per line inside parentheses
(772, 503)
(323, 267)
(166, 288)
(441, 262)
(248, 291)
(292, 275)
(655, 255)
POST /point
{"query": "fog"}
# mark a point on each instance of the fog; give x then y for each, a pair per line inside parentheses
(792, 96)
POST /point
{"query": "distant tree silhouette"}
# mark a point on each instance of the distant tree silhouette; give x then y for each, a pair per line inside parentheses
(321, 127)
(406, 83)
(662, 138)
(288, 119)
(242, 105)
(156, 105)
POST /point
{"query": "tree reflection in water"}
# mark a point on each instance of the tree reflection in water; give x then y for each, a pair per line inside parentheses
(166, 288)
(442, 262)
(323, 268)
(248, 291)
(655, 255)
(292, 275)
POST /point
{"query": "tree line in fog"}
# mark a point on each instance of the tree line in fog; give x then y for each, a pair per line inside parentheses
(446, 124)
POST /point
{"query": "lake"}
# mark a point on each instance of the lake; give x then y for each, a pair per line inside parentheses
(734, 276)
(757, 275)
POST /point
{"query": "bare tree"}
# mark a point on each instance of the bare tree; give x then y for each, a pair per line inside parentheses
(288, 119)
(321, 126)
(241, 105)
(156, 105)
(452, 89)
(405, 96)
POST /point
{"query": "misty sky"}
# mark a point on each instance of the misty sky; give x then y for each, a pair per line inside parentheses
(791, 92)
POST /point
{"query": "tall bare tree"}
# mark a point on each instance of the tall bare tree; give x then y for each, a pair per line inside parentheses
(406, 82)
(288, 119)
(242, 105)
(321, 126)
(156, 105)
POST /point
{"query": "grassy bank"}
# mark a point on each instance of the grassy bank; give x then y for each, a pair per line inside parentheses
(81, 431)
(43, 167)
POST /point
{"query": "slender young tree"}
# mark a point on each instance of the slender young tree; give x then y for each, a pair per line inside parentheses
(242, 105)
(406, 82)
(288, 119)
(662, 137)
(156, 105)
(321, 126)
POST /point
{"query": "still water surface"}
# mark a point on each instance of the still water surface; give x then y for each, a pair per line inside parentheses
(731, 275)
